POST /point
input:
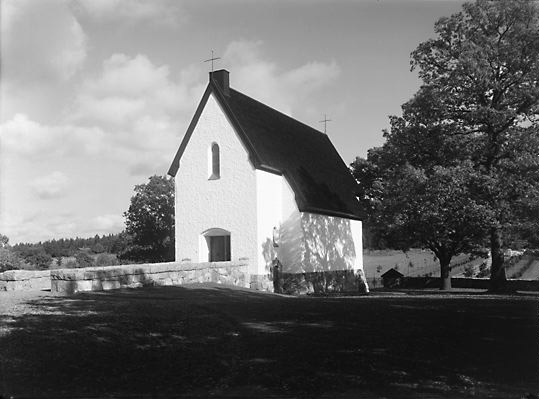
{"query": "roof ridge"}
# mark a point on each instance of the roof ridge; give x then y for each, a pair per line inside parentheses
(281, 113)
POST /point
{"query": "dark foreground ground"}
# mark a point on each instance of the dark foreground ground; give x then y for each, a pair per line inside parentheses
(201, 341)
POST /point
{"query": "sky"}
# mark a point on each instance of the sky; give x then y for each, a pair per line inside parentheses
(96, 95)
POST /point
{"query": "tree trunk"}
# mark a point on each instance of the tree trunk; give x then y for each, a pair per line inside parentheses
(445, 273)
(498, 279)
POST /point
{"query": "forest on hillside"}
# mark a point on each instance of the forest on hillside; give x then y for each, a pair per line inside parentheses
(105, 250)
(64, 247)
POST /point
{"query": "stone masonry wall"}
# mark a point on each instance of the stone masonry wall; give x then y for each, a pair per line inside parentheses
(24, 280)
(70, 281)
(261, 282)
(323, 282)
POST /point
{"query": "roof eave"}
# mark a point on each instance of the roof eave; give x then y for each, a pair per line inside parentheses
(269, 169)
(328, 212)
(176, 162)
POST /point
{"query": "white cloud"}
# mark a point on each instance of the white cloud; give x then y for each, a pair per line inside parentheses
(41, 40)
(132, 111)
(8, 13)
(149, 166)
(136, 78)
(139, 105)
(107, 110)
(311, 76)
(263, 79)
(123, 75)
(23, 136)
(107, 224)
(50, 186)
(162, 11)
(39, 228)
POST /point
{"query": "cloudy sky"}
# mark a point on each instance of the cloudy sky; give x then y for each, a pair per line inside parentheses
(97, 94)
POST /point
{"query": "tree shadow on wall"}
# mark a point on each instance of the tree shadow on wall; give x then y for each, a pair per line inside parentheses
(328, 243)
(315, 249)
(330, 254)
(291, 244)
(312, 243)
(269, 254)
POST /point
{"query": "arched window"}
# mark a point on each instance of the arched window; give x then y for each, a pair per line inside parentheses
(215, 162)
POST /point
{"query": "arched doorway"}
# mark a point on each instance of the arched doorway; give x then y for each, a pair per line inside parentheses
(215, 245)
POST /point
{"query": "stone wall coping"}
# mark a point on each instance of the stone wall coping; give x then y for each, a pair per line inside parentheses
(92, 273)
(18, 275)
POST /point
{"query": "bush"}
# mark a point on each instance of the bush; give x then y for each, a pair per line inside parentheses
(98, 248)
(9, 260)
(36, 257)
(532, 252)
(106, 260)
(468, 271)
(71, 264)
(84, 260)
(484, 271)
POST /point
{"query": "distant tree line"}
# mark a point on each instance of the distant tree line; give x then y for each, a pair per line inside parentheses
(65, 247)
(80, 252)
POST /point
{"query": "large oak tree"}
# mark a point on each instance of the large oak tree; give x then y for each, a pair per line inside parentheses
(413, 199)
(479, 102)
(483, 69)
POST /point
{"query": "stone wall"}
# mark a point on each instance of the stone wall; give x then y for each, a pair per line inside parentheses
(24, 280)
(70, 281)
(261, 282)
(324, 282)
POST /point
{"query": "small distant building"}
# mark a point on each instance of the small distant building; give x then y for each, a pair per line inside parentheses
(392, 278)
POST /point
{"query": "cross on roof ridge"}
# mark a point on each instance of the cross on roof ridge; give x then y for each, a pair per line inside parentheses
(325, 121)
(212, 58)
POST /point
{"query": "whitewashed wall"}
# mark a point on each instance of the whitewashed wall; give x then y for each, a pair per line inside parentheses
(269, 215)
(356, 228)
(307, 242)
(331, 243)
(277, 208)
(228, 203)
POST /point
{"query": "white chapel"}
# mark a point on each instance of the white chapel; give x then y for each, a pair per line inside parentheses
(255, 185)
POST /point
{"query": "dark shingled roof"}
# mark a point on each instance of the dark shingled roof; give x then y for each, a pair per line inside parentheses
(277, 143)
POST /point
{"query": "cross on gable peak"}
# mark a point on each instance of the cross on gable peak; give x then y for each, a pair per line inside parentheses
(211, 59)
(325, 122)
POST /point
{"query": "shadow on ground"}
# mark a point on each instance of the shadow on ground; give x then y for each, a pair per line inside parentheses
(202, 340)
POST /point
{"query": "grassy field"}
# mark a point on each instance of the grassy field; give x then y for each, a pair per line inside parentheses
(417, 262)
(527, 267)
(196, 341)
(413, 263)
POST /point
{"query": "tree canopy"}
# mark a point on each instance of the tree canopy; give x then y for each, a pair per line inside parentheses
(476, 113)
(482, 69)
(150, 222)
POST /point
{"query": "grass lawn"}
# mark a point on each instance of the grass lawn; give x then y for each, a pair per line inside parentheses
(194, 341)
(414, 263)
